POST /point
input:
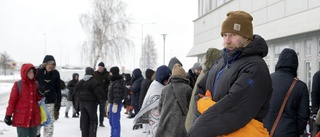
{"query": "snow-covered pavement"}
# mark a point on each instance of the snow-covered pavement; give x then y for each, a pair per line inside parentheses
(64, 127)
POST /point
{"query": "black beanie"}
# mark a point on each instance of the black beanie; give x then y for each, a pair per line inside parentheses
(114, 70)
(89, 71)
(101, 64)
(48, 58)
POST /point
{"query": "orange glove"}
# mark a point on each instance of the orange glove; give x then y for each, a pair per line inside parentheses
(205, 102)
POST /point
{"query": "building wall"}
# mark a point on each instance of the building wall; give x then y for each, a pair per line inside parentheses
(282, 23)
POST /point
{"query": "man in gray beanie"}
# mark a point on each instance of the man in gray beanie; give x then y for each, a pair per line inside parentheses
(193, 74)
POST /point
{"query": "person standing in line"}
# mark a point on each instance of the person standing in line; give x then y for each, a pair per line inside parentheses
(101, 75)
(239, 83)
(115, 96)
(145, 85)
(296, 113)
(174, 104)
(149, 113)
(49, 79)
(136, 88)
(193, 74)
(90, 95)
(211, 58)
(25, 99)
(70, 86)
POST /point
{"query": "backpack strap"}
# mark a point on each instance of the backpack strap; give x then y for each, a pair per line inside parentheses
(20, 84)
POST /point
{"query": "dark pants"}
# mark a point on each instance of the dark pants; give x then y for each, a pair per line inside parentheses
(135, 103)
(102, 110)
(89, 118)
(27, 132)
(114, 121)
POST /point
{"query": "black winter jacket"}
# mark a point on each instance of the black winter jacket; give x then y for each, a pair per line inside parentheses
(103, 80)
(70, 86)
(240, 83)
(116, 89)
(50, 81)
(192, 78)
(88, 90)
(296, 112)
(315, 94)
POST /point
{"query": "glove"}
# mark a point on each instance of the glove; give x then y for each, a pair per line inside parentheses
(114, 108)
(108, 109)
(7, 120)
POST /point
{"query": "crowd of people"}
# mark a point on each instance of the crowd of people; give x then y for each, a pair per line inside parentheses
(231, 93)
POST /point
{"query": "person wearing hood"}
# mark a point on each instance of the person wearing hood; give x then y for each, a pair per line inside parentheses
(173, 61)
(70, 86)
(115, 96)
(149, 113)
(211, 57)
(193, 74)
(24, 98)
(174, 104)
(135, 88)
(90, 95)
(296, 112)
(239, 83)
(102, 76)
(145, 85)
(49, 79)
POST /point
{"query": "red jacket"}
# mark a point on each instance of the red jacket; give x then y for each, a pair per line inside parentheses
(24, 106)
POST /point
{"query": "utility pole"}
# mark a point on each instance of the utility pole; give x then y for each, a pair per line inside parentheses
(164, 47)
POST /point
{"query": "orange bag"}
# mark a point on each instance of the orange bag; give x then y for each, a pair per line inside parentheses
(253, 129)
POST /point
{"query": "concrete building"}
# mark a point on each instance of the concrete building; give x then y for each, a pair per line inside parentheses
(282, 23)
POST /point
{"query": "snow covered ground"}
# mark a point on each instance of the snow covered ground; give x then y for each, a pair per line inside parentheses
(64, 127)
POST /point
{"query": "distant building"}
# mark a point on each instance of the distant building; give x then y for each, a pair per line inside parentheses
(283, 24)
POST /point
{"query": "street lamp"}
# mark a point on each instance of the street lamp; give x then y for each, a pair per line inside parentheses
(164, 47)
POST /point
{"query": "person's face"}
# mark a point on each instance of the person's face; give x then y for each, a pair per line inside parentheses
(100, 68)
(50, 65)
(233, 41)
(76, 77)
(30, 74)
(197, 71)
(166, 82)
(110, 74)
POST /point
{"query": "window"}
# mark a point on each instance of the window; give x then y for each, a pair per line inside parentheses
(308, 74)
(308, 46)
(296, 47)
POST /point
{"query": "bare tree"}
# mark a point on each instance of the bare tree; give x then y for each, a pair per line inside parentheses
(5, 61)
(149, 54)
(106, 29)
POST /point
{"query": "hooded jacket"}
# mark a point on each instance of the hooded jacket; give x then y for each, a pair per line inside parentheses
(23, 104)
(136, 81)
(70, 86)
(145, 85)
(240, 83)
(50, 80)
(296, 112)
(173, 61)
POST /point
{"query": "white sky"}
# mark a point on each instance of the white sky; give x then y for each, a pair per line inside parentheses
(26, 26)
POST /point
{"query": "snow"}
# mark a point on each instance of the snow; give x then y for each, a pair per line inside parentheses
(63, 126)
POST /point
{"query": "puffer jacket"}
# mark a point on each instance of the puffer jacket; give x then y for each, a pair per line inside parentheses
(23, 104)
(116, 89)
(296, 112)
(240, 83)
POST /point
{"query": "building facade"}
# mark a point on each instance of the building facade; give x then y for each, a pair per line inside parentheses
(283, 24)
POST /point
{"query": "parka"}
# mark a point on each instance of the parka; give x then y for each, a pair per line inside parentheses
(23, 104)
(240, 83)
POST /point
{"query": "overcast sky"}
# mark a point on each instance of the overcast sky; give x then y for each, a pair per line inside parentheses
(29, 29)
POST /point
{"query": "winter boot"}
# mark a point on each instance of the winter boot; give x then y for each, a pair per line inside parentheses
(67, 115)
